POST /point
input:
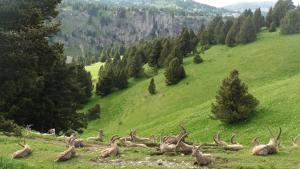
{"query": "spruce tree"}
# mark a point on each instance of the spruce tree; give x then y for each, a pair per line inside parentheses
(183, 42)
(174, 72)
(155, 54)
(37, 86)
(269, 18)
(105, 80)
(273, 27)
(135, 65)
(224, 30)
(233, 102)
(231, 37)
(152, 87)
(258, 19)
(218, 33)
(281, 8)
(290, 24)
(247, 32)
(193, 41)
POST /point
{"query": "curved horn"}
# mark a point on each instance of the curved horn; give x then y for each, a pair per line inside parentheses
(279, 134)
(232, 140)
(183, 128)
(113, 138)
(215, 139)
(255, 141)
(271, 133)
(180, 140)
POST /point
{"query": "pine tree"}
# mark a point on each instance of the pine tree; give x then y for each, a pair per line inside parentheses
(211, 29)
(197, 59)
(258, 19)
(152, 87)
(105, 80)
(193, 41)
(174, 72)
(290, 24)
(247, 32)
(36, 83)
(183, 42)
(269, 18)
(135, 65)
(233, 102)
(281, 8)
(224, 31)
(155, 54)
(218, 33)
(231, 37)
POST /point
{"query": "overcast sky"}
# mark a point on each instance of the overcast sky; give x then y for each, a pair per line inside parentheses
(220, 3)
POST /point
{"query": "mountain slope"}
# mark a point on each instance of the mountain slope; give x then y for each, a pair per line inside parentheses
(264, 5)
(269, 66)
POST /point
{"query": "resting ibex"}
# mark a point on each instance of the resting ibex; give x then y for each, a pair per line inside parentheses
(234, 146)
(132, 143)
(113, 150)
(69, 153)
(175, 139)
(99, 137)
(266, 149)
(135, 138)
(25, 151)
(170, 148)
(202, 159)
(73, 140)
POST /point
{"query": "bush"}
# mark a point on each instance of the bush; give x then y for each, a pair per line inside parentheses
(152, 87)
(272, 27)
(198, 59)
(94, 113)
(9, 128)
(233, 102)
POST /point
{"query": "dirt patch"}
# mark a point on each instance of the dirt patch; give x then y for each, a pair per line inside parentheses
(147, 162)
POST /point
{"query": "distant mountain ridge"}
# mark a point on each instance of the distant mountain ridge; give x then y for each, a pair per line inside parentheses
(264, 5)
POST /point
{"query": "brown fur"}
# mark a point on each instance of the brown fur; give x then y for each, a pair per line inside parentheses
(234, 146)
(202, 159)
(99, 137)
(113, 150)
(25, 151)
(267, 149)
(175, 139)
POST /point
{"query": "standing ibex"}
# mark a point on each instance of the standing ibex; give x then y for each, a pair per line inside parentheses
(234, 146)
(25, 151)
(113, 150)
(266, 149)
(175, 139)
(99, 137)
(202, 159)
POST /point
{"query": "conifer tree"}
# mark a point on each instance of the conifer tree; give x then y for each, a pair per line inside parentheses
(174, 72)
(281, 8)
(224, 31)
(218, 33)
(273, 27)
(233, 102)
(134, 64)
(36, 83)
(247, 32)
(258, 19)
(193, 41)
(290, 24)
(183, 42)
(152, 87)
(269, 18)
(155, 54)
(231, 37)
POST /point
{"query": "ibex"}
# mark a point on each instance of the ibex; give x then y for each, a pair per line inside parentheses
(135, 138)
(113, 150)
(234, 146)
(266, 149)
(132, 143)
(99, 137)
(202, 159)
(73, 140)
(25, 151)
(69, 153)
(175, 139)
(169, 148)
(127, 138)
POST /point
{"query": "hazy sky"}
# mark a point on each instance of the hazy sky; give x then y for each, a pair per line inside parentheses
(220, 3)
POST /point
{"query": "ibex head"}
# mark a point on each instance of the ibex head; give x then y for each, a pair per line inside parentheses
(114, 138)
(275, 139)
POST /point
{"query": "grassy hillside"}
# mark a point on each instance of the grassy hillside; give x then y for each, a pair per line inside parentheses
(270, 67)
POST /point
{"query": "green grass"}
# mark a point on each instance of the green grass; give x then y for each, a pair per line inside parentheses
(271, 69)
(94, 69)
